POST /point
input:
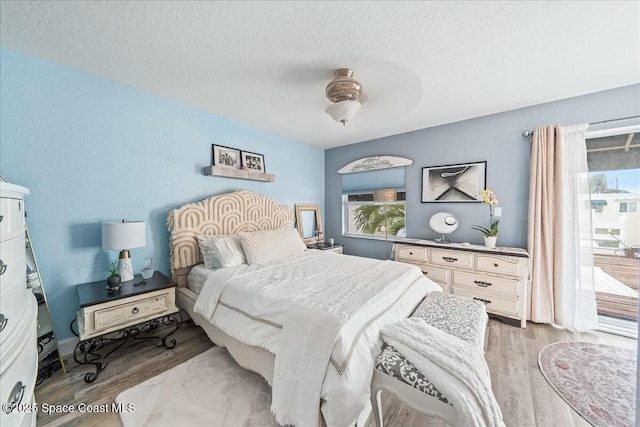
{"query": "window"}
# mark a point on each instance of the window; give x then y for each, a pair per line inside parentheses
(628, 207)
(364, 217)
(612, 231)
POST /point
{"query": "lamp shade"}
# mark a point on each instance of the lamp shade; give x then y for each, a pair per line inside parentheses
(123, 235)
(343, 111)
(385, 196)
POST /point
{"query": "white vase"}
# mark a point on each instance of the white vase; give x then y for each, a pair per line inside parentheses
(490, 241)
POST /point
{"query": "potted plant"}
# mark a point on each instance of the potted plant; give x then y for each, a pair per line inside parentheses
(114, 278)
(491, 233)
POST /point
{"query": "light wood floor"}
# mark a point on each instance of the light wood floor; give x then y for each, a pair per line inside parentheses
(522, 392)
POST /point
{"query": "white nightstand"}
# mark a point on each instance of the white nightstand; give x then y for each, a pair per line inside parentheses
(136, 310)
(324, 246)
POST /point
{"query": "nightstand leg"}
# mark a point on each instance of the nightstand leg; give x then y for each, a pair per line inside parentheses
(88, 352)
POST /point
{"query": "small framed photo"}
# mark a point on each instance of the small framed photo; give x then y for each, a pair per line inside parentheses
(253, 161)
(454, 183)
(226, 157)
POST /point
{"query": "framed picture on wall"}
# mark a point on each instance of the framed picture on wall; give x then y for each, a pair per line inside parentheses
(454, 183)
(225, 157)
(253, 161)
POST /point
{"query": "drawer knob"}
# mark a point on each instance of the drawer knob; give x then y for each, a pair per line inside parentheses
(495, 265)
(3, 322)
(410, 253)
(449, 259)
(135, 310)
(1, 218)
(15, 397)
(485, 301)
(426, 273)
(482, 284)
(3, 267)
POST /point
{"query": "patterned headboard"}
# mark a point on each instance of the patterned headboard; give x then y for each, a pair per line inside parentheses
(225, 214)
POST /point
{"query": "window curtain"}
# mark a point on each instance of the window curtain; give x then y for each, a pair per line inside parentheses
(559, 237)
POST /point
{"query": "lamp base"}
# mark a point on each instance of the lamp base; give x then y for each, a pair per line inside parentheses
(125, 269)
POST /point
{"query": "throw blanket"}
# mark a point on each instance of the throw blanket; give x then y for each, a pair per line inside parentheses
(309, 335)
(455, 367)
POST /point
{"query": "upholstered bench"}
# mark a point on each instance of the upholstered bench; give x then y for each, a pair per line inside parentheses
(461, 317)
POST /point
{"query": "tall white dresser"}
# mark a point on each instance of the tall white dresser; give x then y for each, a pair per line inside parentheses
(18, 315)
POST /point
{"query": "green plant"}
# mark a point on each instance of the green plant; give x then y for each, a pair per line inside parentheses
(370, 218)
(488, 232)
(113, 269)
(488, 198)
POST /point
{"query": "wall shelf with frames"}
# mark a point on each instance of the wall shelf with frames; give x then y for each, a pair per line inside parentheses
(239, 174)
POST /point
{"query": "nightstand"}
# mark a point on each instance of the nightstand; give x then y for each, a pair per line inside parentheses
(136, 310)
(324, 246)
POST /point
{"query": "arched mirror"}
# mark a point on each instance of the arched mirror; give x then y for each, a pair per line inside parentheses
(309, 222)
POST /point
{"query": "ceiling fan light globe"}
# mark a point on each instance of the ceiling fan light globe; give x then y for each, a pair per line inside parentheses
(343, 111)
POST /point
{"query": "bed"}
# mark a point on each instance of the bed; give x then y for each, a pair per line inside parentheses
(308, 323)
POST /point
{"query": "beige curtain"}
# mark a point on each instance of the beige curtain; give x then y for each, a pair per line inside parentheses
(560, 232)
(544, 298)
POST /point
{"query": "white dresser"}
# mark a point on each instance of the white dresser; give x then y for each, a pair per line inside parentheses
(18, 314)
(497, 277)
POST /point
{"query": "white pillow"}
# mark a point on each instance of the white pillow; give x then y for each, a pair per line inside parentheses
(221, 251)
(266, 246)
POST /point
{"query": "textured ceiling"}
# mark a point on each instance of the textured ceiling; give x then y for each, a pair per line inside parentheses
(266, 64)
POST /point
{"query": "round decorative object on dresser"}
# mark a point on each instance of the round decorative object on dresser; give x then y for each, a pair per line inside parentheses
(18, 312)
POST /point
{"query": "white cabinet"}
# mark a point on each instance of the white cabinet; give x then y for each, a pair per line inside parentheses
(497, 277)
(18, 311)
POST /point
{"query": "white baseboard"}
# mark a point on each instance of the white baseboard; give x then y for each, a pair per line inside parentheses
(67, 346)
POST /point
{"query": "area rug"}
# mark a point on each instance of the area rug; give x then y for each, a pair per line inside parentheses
(597, 381)
(207, 390)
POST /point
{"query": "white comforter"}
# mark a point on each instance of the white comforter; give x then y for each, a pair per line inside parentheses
(328, 289)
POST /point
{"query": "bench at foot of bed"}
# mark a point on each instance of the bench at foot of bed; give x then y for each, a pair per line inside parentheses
(461, 317)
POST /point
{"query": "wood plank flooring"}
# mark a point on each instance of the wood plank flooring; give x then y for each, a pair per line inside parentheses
(522, 392)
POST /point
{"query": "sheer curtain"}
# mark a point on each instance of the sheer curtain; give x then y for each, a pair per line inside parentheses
(559, 240)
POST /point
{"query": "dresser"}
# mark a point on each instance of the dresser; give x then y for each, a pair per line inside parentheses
(497, 277)
(18, 314)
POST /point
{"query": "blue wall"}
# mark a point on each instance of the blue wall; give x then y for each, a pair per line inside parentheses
(496, 139)
(91, 150)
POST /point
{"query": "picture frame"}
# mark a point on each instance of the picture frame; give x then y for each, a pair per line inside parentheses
(253, 161)
(458, 183)
(225, 157)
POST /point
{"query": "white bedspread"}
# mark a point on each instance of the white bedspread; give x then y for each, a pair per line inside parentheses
(329, 287)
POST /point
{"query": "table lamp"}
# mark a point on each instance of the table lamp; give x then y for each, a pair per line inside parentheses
(122, 236)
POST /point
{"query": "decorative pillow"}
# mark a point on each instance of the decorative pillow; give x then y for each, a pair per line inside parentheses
(221, 251)
(266, 246)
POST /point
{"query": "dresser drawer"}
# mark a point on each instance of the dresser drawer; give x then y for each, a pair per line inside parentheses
(487, 284)
(412, 253)
(12, 211)
(102, 318)
(452, 258)
(497, 265)
(12, 260)
(19, 365)
(495, 305)
(436, 274)
(13, 301)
